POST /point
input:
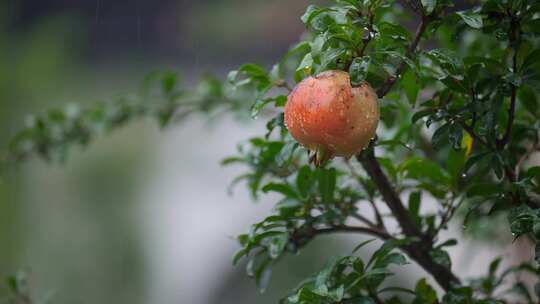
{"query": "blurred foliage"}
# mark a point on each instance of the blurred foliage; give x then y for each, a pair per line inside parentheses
(40, 65)
(459, 123)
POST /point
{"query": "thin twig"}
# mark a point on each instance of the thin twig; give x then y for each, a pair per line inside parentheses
(390, 81)
(364, 220)
(501, 143)
(378, 216)
(370, 35)
(373, 169)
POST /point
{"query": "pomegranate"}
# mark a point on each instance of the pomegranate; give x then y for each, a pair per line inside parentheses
(330, 117)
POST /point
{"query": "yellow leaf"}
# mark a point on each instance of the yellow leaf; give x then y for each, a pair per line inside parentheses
(467, 143)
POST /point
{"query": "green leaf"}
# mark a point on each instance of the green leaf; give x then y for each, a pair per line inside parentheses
(429, 5)
(423, 169)
(392, 258)
(494, 265)
(448, 60)
(455, 163)
(305, 180)
(425, 294)
(497, 165)
(473, 20)
(448, 243)
(306, 63)
(528, 99)
(420, 114)
(455, 136)
(440, 136)
(330, 57)
(364, 243)
(284, 189)
(521, 220)
(359, 69)
(475, 159)
(311, 12)
(411, 86)
(532, 59)
(441, 257)
(263, 275)
(415, 199)
(305, 68)
(327, 184)
(277, 245)
(261, 103)
(169, 82)
(239, 255)
(454, 84)
(253, 70)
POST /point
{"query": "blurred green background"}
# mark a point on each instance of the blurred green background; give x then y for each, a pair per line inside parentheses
(88, 231)
(140, 216)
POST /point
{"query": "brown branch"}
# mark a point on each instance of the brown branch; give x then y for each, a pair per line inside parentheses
(419, 250)
(421, 254)
(364, 220)
(414, 5)
(376, 212)
(470, 131)
(515, 33)
(378, 216)
(373, 169)
(447, 215)
(501, 143)
(370, 34)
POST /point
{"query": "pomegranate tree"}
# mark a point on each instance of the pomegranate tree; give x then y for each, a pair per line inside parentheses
(461, 131)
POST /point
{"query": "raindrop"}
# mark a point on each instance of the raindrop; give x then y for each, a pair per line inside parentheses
(463, 175)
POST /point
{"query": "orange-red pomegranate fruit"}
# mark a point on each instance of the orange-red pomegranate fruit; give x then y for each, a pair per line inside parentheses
(330, 117)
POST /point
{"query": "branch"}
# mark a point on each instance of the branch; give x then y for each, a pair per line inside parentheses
(501, 143)
(373, 169)
(470, 131)
(368, 38)
(353, 229)
(364, 220)
(376, 212)
(448, 214)
(390, 81)
(515, 33)
(418, 251)
(414, 5)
